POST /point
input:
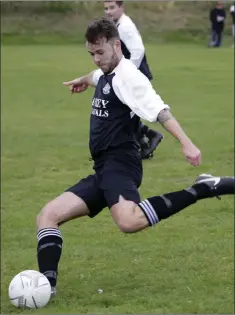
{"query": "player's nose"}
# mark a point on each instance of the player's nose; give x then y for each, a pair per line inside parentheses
(96, 58)
(109, 14)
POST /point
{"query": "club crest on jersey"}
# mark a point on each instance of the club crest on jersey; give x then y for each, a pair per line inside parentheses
(106, 88)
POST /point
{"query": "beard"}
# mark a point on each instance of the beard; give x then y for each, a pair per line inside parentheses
(113, 64)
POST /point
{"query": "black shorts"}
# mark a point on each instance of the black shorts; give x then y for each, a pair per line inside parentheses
(119, 174)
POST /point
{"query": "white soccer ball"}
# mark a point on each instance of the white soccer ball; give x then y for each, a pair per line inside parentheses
(29, 289)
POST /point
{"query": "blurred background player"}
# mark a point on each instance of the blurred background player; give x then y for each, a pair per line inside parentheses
(133, 49)
(232, 12)
(217, 18)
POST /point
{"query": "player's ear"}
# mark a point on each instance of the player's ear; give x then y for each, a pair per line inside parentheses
(117, 44)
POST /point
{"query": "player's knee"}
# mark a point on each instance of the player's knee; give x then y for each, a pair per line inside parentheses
(127, 226)
(123, 214)
(47, 216)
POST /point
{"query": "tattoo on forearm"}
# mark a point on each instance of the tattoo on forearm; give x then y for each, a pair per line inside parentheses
(164, 115)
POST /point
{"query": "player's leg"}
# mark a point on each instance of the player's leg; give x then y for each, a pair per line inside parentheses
(148, 139)
(84, 198)
(132, 218)
(154, 139)
(64, 208)
(219, 38)
(213, 37)
(60, 210)
(122, 176)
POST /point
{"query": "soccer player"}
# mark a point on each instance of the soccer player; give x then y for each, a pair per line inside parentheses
(133, 49)
(122, 95)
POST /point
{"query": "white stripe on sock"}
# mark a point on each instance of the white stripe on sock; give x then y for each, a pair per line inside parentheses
(146, 212)
(48, 232)
(51, 234)
(149, 211)
(153, 211)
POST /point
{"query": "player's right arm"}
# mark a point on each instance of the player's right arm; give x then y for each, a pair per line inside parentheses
(79, 85)
(136, 91)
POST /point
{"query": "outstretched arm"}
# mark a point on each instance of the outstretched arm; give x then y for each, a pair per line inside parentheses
(79, 85)
(190, 151)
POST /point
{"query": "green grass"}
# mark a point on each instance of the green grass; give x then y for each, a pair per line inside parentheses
(183, 265)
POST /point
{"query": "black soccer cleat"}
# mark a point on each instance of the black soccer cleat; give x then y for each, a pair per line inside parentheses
(155, 137)
(224, 185)
(144, 147)
(53, 292)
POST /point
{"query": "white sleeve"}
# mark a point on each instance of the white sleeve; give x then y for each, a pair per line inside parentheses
(137, 93)
(133, 41)
(232, 8)
(97, 74)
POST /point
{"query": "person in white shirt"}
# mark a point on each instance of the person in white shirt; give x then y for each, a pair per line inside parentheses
(122, 95)
(232, 12)
(133, 49)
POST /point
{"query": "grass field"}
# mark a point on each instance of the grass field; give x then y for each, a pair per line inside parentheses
(183, 265)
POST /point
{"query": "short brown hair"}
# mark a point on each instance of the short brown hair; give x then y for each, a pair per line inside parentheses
(103, 28)
(119, 3)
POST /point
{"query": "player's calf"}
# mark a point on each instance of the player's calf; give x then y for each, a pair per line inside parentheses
(49, 242)
(62, 209)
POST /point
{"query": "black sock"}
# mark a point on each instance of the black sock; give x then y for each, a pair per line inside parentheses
(161, 207)
(49, 251)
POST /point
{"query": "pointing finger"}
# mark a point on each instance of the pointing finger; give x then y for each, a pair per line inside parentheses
(68, 83)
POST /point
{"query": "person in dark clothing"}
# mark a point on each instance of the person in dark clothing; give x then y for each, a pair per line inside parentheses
(217, 18)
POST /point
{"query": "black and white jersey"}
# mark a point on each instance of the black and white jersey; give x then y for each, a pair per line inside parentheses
(120, 99)
(132, 44)
(232, 12)
(217, 17)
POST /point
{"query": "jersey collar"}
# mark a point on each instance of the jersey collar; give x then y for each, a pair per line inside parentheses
(120, 19)
(120, 62)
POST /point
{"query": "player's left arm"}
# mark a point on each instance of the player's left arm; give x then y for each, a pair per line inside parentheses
(133, 41)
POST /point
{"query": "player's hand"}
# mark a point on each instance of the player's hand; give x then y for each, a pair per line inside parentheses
(192, 153)
(76, 86)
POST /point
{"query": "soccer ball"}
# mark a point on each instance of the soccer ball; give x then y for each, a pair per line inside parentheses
(29, 289)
